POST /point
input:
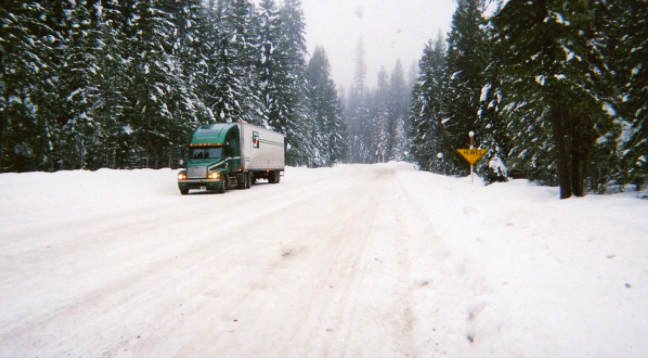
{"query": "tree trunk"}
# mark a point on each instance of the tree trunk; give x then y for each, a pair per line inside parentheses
(577, 176)
(558, 127)
(578, 160)
(583, 138)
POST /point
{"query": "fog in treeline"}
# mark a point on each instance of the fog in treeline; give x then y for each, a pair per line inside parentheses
(555, 90)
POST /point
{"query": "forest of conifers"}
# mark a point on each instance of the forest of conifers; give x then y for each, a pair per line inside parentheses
(123, 84)
(555, 90)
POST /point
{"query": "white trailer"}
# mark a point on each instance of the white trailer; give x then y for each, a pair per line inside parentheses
(262, 152)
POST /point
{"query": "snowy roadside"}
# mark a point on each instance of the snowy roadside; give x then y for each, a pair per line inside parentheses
(539, 276)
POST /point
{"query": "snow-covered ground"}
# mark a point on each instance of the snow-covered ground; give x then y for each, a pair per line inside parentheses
(355, 260)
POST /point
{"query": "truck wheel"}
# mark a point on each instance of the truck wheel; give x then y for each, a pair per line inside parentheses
(224, 185)
(185, 192)
(241, 182)
(274, 177)
(248, 180)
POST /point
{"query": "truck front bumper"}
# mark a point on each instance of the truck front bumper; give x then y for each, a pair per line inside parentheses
(200, 184)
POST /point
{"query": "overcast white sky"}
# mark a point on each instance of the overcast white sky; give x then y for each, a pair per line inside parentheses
(391, 29)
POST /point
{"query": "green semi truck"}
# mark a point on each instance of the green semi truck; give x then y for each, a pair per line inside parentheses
(232, 155)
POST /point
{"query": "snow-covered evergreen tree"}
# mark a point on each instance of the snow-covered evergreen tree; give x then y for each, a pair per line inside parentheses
(358, 112)
(109, 108)
(234, 90)
(79, 72)
(292, 116)
(493, 166)
(398, 103)
(270, 60)
(327, 127)
(466, 61)
(209, 70)
(188, 20)
(558, 81)
(161, 112)
(379, 116)
(427, 109)
(246, 27)
(24, 68)
(626, 49)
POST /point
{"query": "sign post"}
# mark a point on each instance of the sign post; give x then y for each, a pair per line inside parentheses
(471, 146)
(471, 155)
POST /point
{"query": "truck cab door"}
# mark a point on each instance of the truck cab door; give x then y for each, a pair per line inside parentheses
(234, 151)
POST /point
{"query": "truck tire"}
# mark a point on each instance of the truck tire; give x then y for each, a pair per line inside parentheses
(224, 185)
(241, 182)
(248, 177)
(185, 192)
(274, 177)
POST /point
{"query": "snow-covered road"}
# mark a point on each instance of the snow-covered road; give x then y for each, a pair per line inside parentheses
(356, 260)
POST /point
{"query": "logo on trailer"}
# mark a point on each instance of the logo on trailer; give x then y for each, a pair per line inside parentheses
(256, 140)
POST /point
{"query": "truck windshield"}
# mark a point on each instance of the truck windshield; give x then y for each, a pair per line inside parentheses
(206, 153)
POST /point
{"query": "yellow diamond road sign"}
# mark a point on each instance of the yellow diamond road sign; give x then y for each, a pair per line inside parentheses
(472, 155)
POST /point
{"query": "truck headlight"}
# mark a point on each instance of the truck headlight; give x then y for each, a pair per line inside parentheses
(213, 176)
(182, 176)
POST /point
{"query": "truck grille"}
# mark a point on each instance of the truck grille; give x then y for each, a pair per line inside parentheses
(195, 172)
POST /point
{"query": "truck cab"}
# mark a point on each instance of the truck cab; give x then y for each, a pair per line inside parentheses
(214, 159)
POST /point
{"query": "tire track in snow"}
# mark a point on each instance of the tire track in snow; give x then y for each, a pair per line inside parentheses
(287, 276)
(114, 286)
(282, 326)
(142, 262)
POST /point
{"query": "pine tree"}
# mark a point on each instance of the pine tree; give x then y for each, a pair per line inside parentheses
(269, 65)
(292, 116)
(54, 17)
(346, 116)
(188, 21)
(466, 61)
(427, 109)
(495, 140)
(626, 49)
(247, 28)
(558, 80)
(397, 111)
(79, 77)
(358, 113)
(234, 88)
(109, 109)
(188, 26)
(23, 69)
(208, 81)
(161, 112)
(319, 108)
(325, 111)
(379, 116)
